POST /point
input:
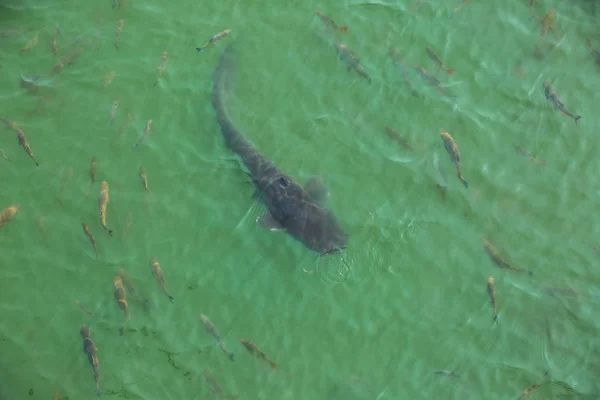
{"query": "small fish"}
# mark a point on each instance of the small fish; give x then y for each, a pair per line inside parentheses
(119, 29)
(89, 348)
(128, 224)
(329, 22)
(65, 61)
(144, 178)
(450, 374)
(452, 149)
(161, 67)
(529, 389)
(66, 180)
(84, 309)
(595, 53)
(552, 97)
(120, 296)
(525, 153)
(495, 256)
(56, 396)
(88, 233)
(146, 131)
(351, 60)
(256, 352)
(547, 24)
(214, 386)
(108, 79)
(211, 330)
(215, 39)
(491, 288)
(129, 288)
(92, 174)
(438, 63)
(102, 202)
(53, 44)
(392, 133)
(25, 144)
(31, 43)
(125, 123)
(462, 3)
(427, 77)
(7, 214)
(113, 111)
(157, 272)
(394, 54)
(3, 155)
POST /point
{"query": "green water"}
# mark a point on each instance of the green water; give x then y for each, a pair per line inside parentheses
(408, 296)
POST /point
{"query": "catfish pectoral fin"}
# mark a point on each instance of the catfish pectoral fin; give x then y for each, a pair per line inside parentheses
(316, 189)
(267, 221)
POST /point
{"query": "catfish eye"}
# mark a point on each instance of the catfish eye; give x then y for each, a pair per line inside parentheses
(283, 182)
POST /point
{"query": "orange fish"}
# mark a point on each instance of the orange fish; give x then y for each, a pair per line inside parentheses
(120, 296)
(7, 214)
(157, 272)
(452, 149)
(102, 202)
(256, 352)
(491, 287)
(495, 256)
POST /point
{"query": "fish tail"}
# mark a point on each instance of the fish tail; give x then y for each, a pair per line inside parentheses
(199, 49)
(344, 29)
(273, 364)
(577, 118)
(171, 298)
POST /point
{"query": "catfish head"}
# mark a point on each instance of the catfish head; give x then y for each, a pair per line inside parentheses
(301, 214)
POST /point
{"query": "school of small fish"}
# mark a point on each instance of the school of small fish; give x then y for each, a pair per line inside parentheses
(122, 284)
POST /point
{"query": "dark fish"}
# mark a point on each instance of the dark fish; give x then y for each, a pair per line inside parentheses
(256, 352)
(118, 32)
(215, 39)
(394, 54)
(92, 174)
(525, 153)
(351, 60)
(113, 111)
(446, 373)
(146, 131)
(89, 348)
(329, 22)
(392, 133)
(290, 207)
(53, 44)
(595, 53)
(427, 77)
(88, 233)
(438, 63)
(452, 149)
(211, 330)
(553, 98)
(144, 178)
(528, 390)
(491, 288)
(214, 386)
(495, 256)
